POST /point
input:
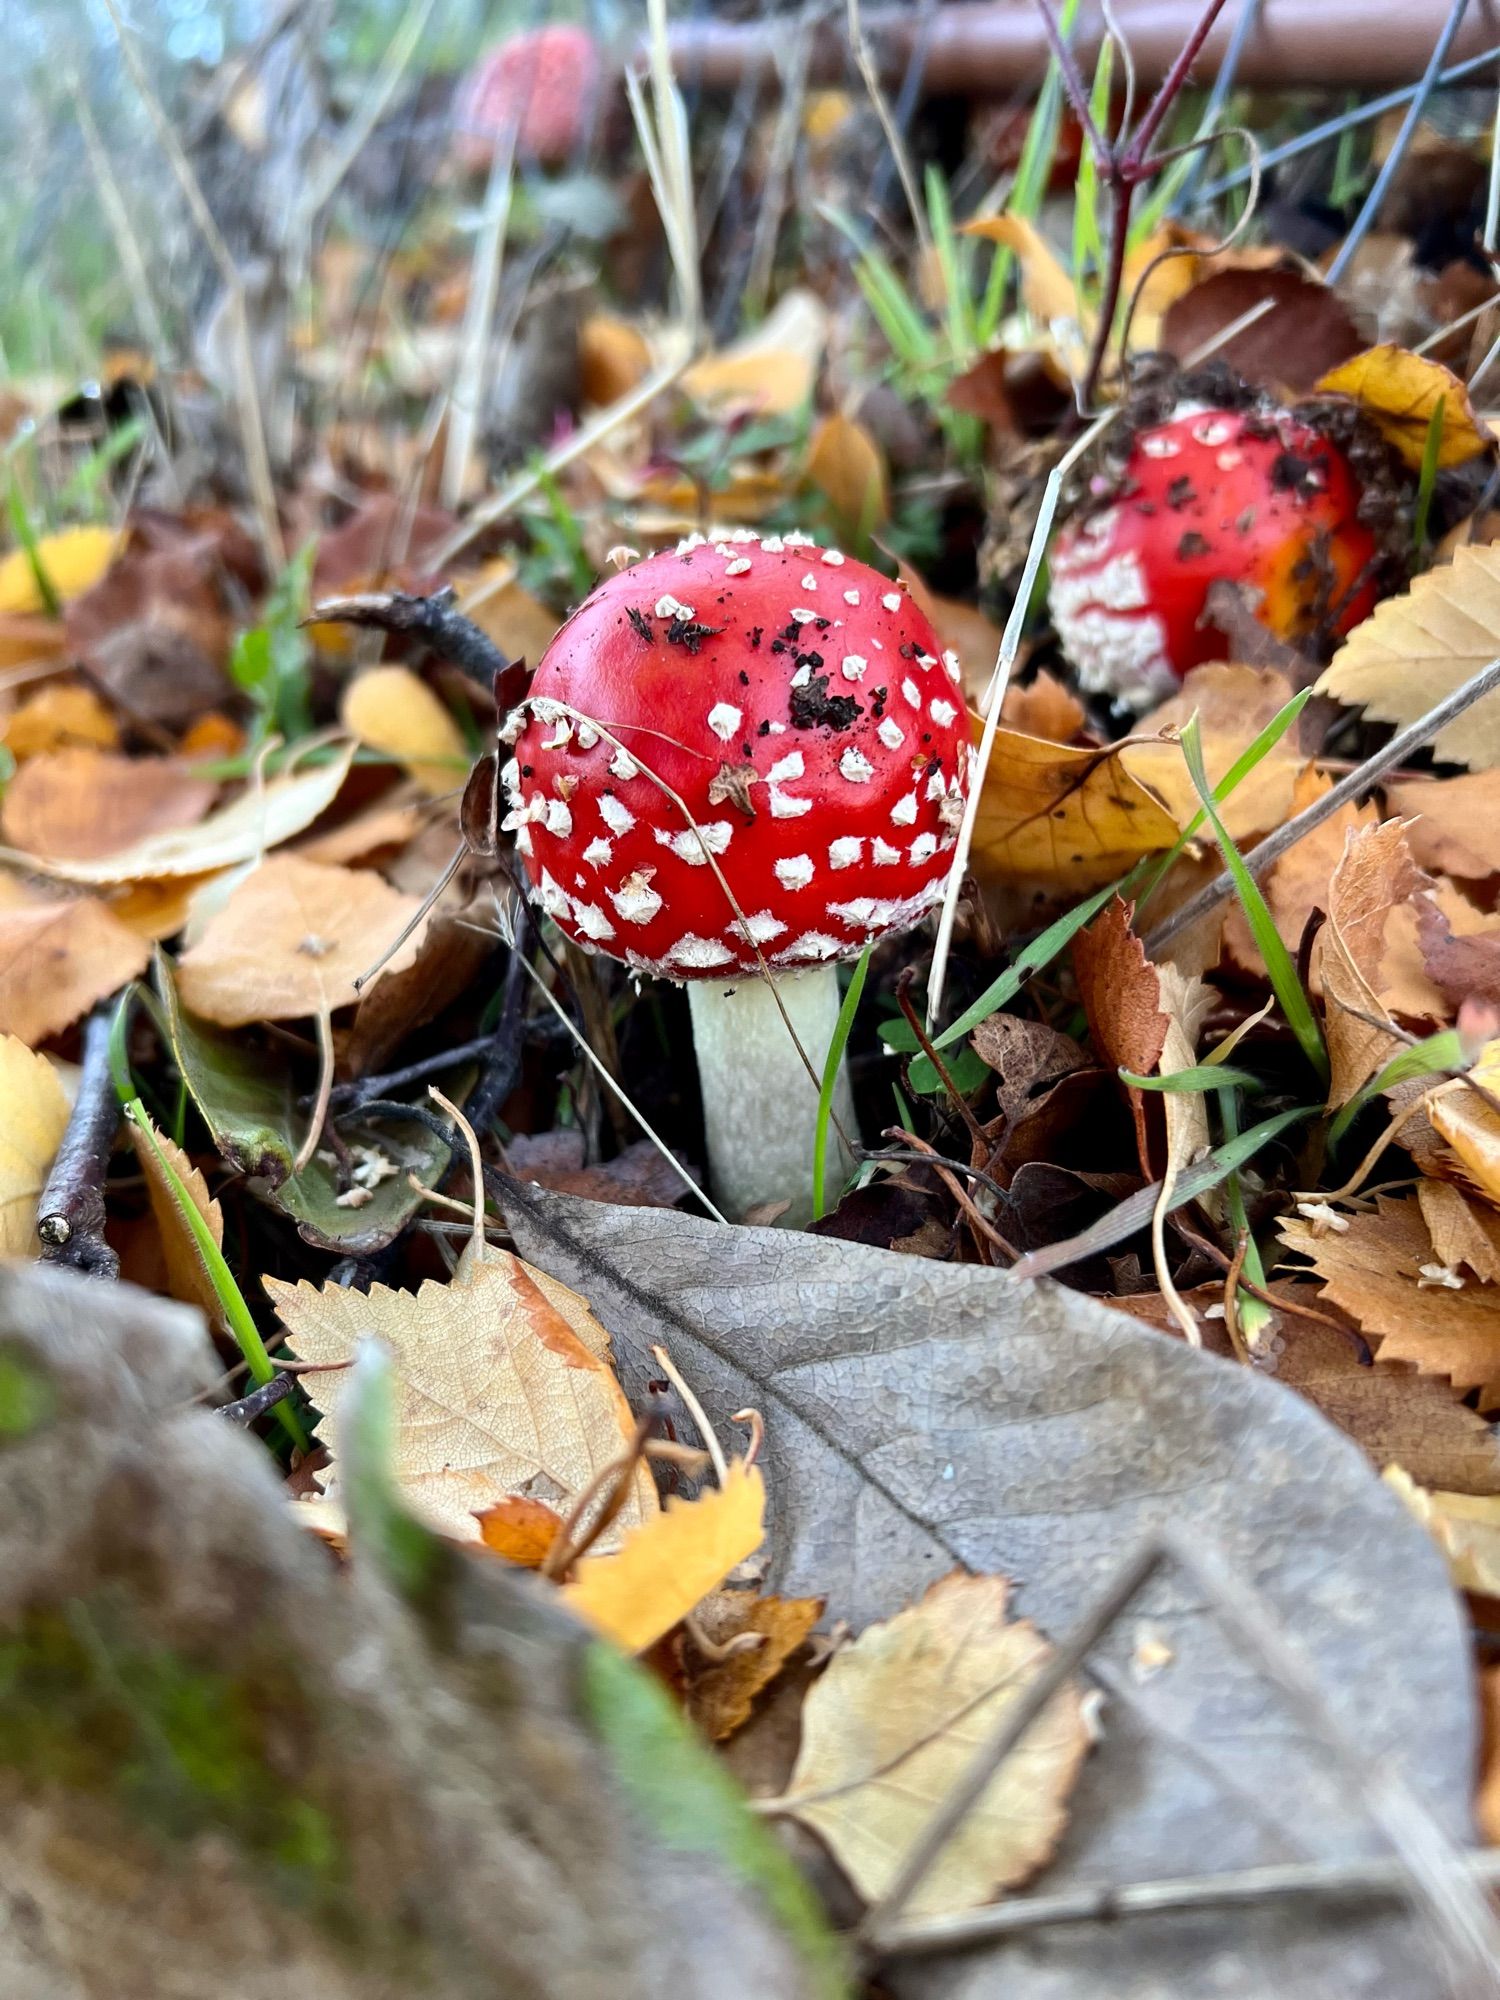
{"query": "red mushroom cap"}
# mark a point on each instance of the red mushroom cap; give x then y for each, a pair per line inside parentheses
(803, 710)
(544, 82)
(1252, 496)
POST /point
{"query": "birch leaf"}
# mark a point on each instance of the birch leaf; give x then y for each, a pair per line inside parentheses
(1400, 391)
(1068, 820)
(33, 1118)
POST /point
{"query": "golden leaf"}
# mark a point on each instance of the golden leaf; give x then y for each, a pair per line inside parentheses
(496, 1393)
(57, 959)
(392, 710)
(721, 1692)
(613, 356)
(55, 716)
(261, 817)
(1468, 1123)
(894, 1725)
(522, 1531)
(33, 1118)
(1233, 705)
(770, 370)
(1046, 289)
(186, 1273)
(847, 467)
(1465, 1526)
(1414, 649)
(1067, 820)
(291, 940)
(1400, 392)
(671, 1563)
(520, 624)
(72, 562)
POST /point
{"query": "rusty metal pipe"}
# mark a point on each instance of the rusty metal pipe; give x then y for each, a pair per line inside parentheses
(980, 48)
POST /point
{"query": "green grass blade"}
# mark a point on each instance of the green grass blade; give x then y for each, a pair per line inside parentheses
(1285, 984)
(1439, 1055)
(1254, 1313)
(1431, 451)
(1088, 239)
(1194, 1081)
(835, 1056)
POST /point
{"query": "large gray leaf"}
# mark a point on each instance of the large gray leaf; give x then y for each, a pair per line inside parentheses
(921, 1415)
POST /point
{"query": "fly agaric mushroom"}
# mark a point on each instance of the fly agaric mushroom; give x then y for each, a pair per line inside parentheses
(544, 84)
(743, 757)
(1251, 496)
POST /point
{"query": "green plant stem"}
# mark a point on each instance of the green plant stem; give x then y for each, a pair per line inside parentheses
(835, 1056)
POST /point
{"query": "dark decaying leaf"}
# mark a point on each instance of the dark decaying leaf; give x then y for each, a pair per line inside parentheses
(920, 1415)
(1306, 331)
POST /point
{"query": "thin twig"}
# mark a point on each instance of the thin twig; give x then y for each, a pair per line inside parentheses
(466, 405)
(694, 1409)
(318, 1117)
(71, 1212)
(572, 1539)
(266, 1397)
(433, 618)
(1270, 850)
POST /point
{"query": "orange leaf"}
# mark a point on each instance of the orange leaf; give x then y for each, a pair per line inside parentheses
(847, 467)
(521, 1530)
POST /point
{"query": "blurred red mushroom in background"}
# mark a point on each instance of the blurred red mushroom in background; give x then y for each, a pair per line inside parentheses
(545, 84)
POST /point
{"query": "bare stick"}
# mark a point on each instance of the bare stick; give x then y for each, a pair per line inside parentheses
(434, 618)
(1360, 780)
(266, 1397)
(127, 243)
(71, 1212)
(467, 401)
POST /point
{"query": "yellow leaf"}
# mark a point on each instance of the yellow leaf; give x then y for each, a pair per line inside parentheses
(671, 1563)
(55, 716)
(292, 940)
(1233, 704)
(771, 370)
(392, 710)
(33, 1118)
(847, 467)
(613, 356)
(261, 817)
(1465, 1526)
(721, 1691)
(1471, 1128)
(1414, 649)
(894, 1725)
(496, 1393)
(1400, 392)
(522, 1531)
(1046, 288)
(72, 561)
(57, 959)
(1060, 818)
(187, 1274)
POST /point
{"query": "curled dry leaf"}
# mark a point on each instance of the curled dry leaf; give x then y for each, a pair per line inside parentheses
(391, 709)
(670, 1562)
(1469, 1122)
(186, 1273)
(895, 1722)
(1401, 391)
(58, 958)
(81, 804)
(1465, 1526)
(1233, 705)
(1046, 289)
(1375, 879)
(1066, 819)
(1463, 1232)
(721, 1692)
(291, 940)
(497, 1393)
(1122, 997)
(33, 1118)
(1416, 648)
(262, 817)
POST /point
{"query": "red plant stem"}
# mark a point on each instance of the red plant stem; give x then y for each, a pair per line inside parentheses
(1123, 192)
(1169, 90)
(1073, 85)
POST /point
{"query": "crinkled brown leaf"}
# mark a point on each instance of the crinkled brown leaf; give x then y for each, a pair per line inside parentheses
(1455, 822)
(1463, 1232)
(721, 1692)
(1121, 994)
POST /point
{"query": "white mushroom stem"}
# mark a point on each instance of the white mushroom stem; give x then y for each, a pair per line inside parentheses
(760, 1106)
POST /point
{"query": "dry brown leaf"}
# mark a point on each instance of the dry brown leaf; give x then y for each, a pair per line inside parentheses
(1299, 883)
(55, 716)
(390, 823)
(1462, 1232)
(1375, 878)
(291, 940)
(1465, 1526)
(496, 1394)
(187, 1276)
(81, 804)
(73, 560)
(721, 1693)
(1455, 822)
(1440, 949)
(156, 911)
(262, 817)
(1469, 1124)
(1233, 705)
(1043, 707)
(33, 1118)
(894, 1724)
(390, 709)
(771, 370)
(1373, 1271)
(1416, 648)
(1121, 994)
(1068, 820)
(57, 959)
(522, 1531)
(1400, 391)
(847, 466)
(1306, 331)
(613, 356)
(670, 1563)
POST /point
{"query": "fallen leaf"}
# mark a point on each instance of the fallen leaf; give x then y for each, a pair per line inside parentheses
(637, 1177)
(496, 1395)
(155, 632)
(1068, 820)
(1300, 882)
(1073, 1435)
(770, 370)
(1462, 1231)
(1375, 878)
(522, 1531)
(33, 1118)
(187, 1276)
(388, 824)
(73, 560)
(1047, 291)
(1416, 648)
(1455, 822)
(391, 709)
(58, 715)
(613, 356)
(505, 611)
(292, 940)
(847, 467)
(1121, 994)
(1306, 331)
(1233, 705)
(1457, 951)
(262, 817)
(721, 1693)
(82, 804)
(893, 1725)
(670, 1562)
(1465, 1526)
(1372, 1271)
(1042, 707)
(1469, 1124)
(57, 959)
(1400, 391)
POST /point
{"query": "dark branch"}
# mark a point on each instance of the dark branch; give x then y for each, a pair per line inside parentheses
(432, 619)
(71, 1213)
